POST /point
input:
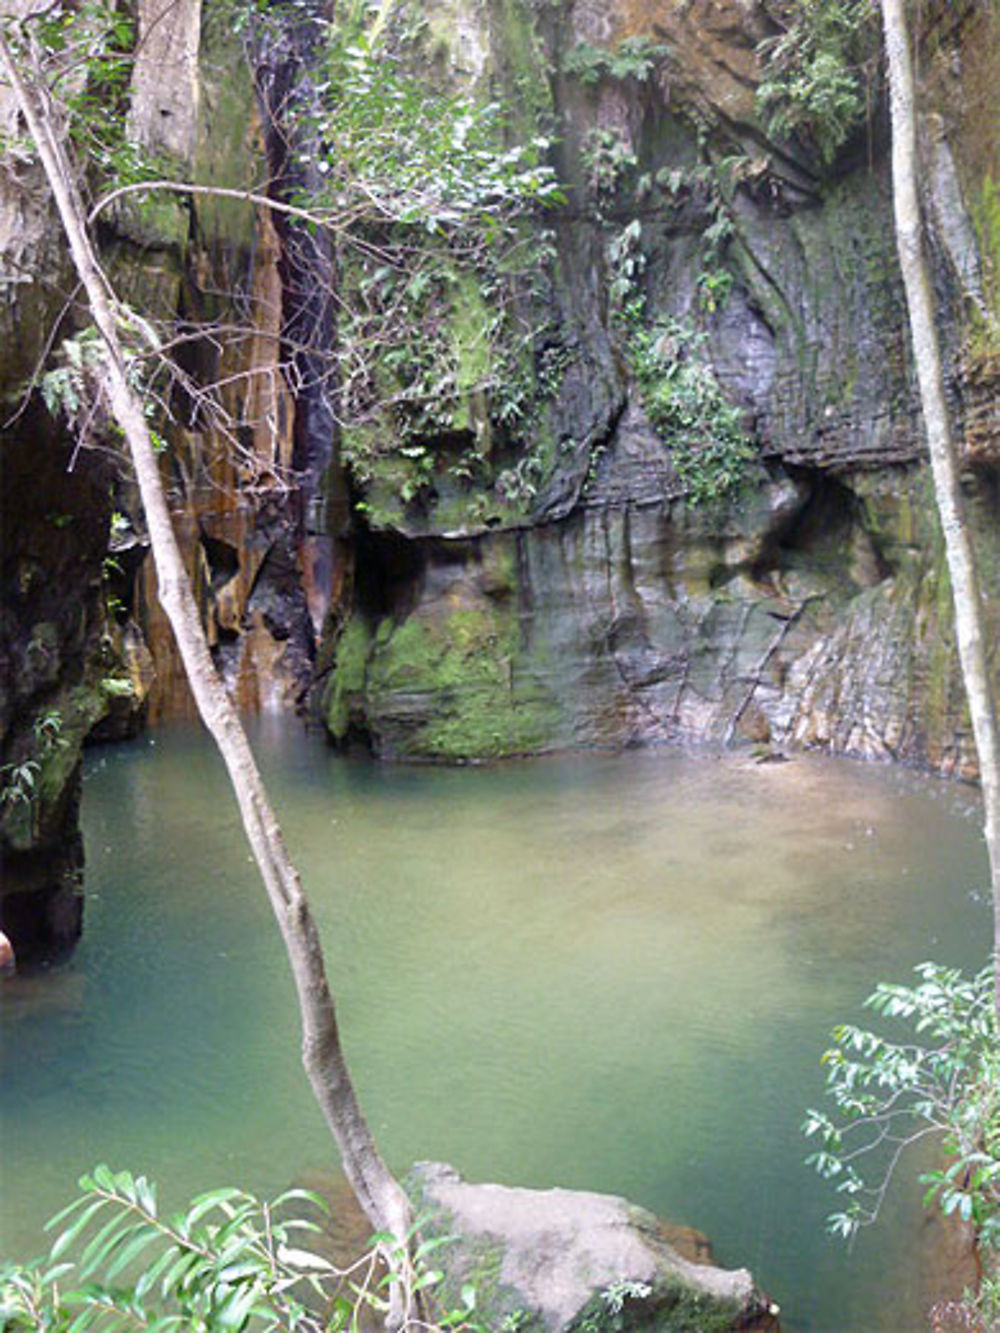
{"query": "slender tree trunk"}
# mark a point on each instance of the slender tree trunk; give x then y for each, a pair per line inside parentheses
(962, 570)
(379, 1194)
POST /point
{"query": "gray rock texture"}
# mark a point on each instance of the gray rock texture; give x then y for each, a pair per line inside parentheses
(809, 610)
(550, 1254)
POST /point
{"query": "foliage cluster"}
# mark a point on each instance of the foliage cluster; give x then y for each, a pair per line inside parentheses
(228, 1263)
(80, 57)
(974, 1312)
(438, 262)
(680, 392)
(715, 182)
(985, 323)
(388, 150)
(707, 187)
(634, 58)
(75, 384)
(422, 198)
(688, 409)
(609, 159)
(19, 780)
(608, 1308)
(669, 1305)
(944, 1082)
(87, 50)
(817, 73)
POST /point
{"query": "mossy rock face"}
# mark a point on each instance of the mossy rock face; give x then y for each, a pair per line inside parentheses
(661, 1306)
(883, 680)
(482, 365)
(345, 691)
(53, 533)
(452, 681)
(820, 617)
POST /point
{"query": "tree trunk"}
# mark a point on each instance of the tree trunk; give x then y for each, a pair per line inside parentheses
(968, 602)
(379, 1194)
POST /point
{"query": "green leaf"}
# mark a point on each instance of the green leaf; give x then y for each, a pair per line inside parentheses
(103, 1179)
(66, 1239)
(173, 1279)
(205, 1203)
(99, 1250)
(144, 1237)
(233, 1311)
(307, 1196)
(150, 1275)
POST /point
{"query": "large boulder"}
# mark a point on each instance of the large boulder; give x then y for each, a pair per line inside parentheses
(572, 1259)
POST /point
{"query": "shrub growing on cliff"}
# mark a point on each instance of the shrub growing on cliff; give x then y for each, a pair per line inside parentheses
(436, 199)
(687, 408)
(817, 72)
(634, 58)
(945, 1082)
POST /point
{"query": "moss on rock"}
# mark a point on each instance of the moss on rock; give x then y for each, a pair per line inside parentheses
(554, 1260)
(348, 678)
(665, 1306)
(449, 686)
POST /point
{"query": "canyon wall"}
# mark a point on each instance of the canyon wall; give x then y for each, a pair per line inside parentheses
(809, 606)
(536, 560)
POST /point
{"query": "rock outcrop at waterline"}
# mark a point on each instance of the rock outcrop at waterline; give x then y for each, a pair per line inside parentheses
(559, 1260)
(548, 1259)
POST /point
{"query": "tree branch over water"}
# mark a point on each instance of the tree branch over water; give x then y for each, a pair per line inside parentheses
(381, 1197)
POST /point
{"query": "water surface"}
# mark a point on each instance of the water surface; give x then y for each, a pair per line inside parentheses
(612, 972)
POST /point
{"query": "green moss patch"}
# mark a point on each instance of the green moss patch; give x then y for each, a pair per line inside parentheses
(449, 686)
(665, 1306)
(347, 682)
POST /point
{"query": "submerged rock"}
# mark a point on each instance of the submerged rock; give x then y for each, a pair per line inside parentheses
(565, 1259)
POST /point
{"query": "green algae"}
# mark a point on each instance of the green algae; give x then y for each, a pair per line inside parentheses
(348, 677)
(670, 1306)
(473, 697)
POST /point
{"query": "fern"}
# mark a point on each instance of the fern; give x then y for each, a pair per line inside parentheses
(817, 73)
(635, 58)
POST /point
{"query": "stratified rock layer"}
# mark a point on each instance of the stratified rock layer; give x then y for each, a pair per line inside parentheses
(564, 591)
(813, 607)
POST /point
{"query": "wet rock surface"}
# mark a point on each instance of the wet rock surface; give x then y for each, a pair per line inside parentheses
(53, 662)
(815, 615)
(808, 611)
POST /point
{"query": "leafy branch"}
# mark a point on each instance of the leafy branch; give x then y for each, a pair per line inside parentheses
(634, 58)
(227, 1263)
(19, 780)
(890, 1095)
(424, 205)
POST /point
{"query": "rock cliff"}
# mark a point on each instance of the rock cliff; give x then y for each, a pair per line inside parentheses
(54, 513)
(542, 556)
(810, 607)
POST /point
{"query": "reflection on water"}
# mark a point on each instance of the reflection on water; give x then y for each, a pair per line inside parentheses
(608, 972)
